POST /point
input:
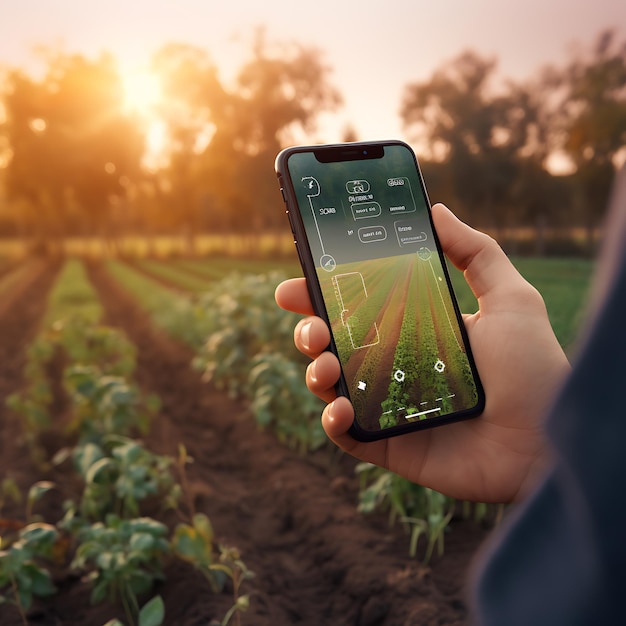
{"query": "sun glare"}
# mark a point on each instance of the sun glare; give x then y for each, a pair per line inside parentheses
(142, 91)
(142, 95)
(560, 164)
(156, 142)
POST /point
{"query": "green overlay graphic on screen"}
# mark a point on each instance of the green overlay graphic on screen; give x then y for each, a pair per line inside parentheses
(387, 299)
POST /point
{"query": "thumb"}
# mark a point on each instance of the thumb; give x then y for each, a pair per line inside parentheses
(488, 271)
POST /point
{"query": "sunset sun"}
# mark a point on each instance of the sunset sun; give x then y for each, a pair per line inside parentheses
(142, 91)
(142, 96)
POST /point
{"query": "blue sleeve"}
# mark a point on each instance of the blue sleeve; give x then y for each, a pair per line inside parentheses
(562, 558)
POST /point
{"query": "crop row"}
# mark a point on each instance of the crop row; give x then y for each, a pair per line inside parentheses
(249, 353)
(450, 343)
(377, 358)
(244, 346)
(108, 473)
(407, 502)
(405, 359)
(243, 343)
(364, 292)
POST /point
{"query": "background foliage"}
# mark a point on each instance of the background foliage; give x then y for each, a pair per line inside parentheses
(75, 161)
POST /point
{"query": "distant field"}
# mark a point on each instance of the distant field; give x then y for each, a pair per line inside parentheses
(257, 245)
(72, 294)
(563, 283)
(196, 275)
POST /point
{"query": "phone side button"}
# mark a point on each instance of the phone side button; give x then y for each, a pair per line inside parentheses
(293, 232)
(299, 254)
(282, 193)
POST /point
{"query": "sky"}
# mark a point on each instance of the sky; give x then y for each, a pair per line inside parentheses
(374, 48)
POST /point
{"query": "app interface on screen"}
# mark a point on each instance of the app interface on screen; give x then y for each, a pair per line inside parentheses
(385, 290)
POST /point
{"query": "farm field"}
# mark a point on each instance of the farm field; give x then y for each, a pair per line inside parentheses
(563, 283)
(374, 321)
(289, 509)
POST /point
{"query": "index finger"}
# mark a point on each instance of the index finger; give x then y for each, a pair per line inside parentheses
(293, 295)
(487, 269)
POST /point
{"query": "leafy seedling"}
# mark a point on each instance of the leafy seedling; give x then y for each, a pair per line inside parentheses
(22, 577)
(123, 559)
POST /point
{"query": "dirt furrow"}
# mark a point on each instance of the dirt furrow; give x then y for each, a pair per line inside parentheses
(316, 559)
(21, 310)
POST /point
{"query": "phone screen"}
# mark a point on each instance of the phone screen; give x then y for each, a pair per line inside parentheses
(385, 290)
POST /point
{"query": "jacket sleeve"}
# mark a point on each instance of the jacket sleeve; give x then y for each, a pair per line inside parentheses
(562, 557)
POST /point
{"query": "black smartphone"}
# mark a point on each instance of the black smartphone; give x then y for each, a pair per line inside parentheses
(363, 230)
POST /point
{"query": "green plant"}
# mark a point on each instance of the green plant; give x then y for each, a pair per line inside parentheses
(119, 474)
(243, 322)
(281, 401)
(123, 559)
(36, 491)
(440, 510)
(106, 404)
(32, 407)
(121, 553)
(422, 510)
(231, 564)
(88, 343)
(152, 613)
(142, 473)
(24, 548)
(72, 309)
(94, 353)
(242, 339)
(9, 491)
(245, 353)
(22, 577)
(32, 403)
(194, 543)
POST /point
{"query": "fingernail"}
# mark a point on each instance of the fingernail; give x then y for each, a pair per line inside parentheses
(312, 374)
(305, 335)
(329, 411)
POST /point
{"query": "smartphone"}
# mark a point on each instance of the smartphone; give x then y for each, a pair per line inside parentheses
(362, 225)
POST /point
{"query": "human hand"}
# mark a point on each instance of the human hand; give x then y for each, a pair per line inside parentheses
(498, 456)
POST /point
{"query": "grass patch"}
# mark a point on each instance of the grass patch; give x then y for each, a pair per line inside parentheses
(563, 283)
(220, 267)
(197, 275)
(73, 295)
(168, 271)
(150, 295)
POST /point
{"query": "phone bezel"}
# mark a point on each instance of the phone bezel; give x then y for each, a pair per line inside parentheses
(357, 151)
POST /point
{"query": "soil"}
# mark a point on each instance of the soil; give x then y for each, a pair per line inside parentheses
(316, 559)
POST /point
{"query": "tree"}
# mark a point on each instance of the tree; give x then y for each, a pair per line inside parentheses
(594, 123)
(225, 141)
(192, 94)
(282, 91)
(73, 150)
(483, 138)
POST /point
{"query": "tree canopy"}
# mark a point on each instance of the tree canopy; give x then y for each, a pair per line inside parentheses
(73, 155)
(495, 142)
